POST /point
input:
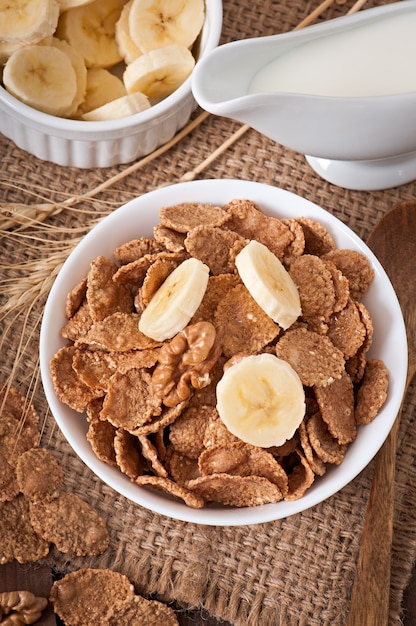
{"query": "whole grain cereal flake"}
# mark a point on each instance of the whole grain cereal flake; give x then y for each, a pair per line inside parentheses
(318, 240)
(118, 332)
(212, 246)
(234, 490)
(187, 432)
(19, 424)
(18, 539)
(336, 404)
(101, 436)
(139, 610)
(315, 285)
(89, 596)
(372, 392)
(356, 267)
(9, 487)
(187, 215)
(104, 296)
(39, 475)
(135, 249)
(128, 454)
(169, 487)
(327, 447)
(181, 468)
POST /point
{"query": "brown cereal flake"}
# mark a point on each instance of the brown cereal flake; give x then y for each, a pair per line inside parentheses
(150, 453)
(185, 216)
(315, 285)
(19, 425)
(181, 468)
(139, 610)
(167, 417)
(169, 487)
(314, 357)
(327, 447)
(93, 367)
(300, 476)
(238, 491)
(372, 392)
(155, 277)
(71, 524)
(101, 437)
(79, 324)
(169, 238)
(128, 454)
(346, 330)
(317, 465)
(130, 401)
(9, 487)
(69, 388)
(341, 286)
(242, 325)
(217, 289)
(39, 475)
(318, 240)
(187, 432)
(104, 296)
(135, 249)
(212, 246)
(356, 267)
(336, 404)
(18, 539)
(296, 247)
(216, 432)
(246, 219)
(118, 332)
(88, 596)
(75, 298)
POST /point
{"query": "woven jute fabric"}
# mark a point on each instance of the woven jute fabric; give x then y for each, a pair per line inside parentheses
(291, 572)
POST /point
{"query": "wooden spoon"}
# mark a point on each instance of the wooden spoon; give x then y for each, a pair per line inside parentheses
(393, 241)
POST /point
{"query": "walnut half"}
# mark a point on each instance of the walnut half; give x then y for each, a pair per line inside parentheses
(185, 362)
(20, 607)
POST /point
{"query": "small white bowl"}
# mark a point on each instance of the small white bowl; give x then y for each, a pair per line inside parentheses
(103, 144)
(138, 217)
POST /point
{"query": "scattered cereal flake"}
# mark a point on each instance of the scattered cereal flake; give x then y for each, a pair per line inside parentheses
(242, 325)
(169, 238)
(315, 285)
(217, 289)
(180, 467)
(139, 610)
(104, 296)
(356, 267)
(79, 324)
(128, 454)
(314, 357)
(150, 453)
(187, 432)
(372, 392)
(9, 487)
(75, 298)
(118, 332)
(71, 524)
(187, 215)
(336, 404)
(239, 491)
(327, 447)
(171, 488)
(346, 330)
(69, 388)
(135, 249)
(88, 596)
(212, 246)
(300, 476)
(39, 475)
(18, 539)
(19, 424)
(242, 459)
(101, 437)
(318, 240)
(246, 219)
(130, 401)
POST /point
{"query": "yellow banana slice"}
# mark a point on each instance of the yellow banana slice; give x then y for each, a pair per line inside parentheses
(120, 107)
(27, 21)
(65, 5)
(157, 23)
(42, 77)
(78, 64)
(261, 400)
(91, 29)
(128, 49)
(269, 283)
(102, 87)
(160, 72)
(176, 300)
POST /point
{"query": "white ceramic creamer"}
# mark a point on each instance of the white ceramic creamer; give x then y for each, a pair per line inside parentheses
(343, 93)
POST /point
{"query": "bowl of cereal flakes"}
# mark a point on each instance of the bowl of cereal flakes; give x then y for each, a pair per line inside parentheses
(103, 82)
(223, 352)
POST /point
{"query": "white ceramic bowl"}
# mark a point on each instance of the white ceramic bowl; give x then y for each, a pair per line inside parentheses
(138, 217)
(103, 144)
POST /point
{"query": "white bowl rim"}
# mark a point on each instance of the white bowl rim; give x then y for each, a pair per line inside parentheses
(153, 114)
(390, 343)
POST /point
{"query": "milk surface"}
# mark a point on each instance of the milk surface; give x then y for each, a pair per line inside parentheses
(368, 60)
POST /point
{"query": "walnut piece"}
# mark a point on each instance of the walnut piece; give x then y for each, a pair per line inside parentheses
(20, 607)
(185, 362)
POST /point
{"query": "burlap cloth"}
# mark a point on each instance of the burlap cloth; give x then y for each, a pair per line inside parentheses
(296, 571)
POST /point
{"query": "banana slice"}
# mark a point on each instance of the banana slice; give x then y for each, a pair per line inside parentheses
(27, 21)
(269, 283)
(80, 70)
(91, 29)
(261, 400)
(42, 77)
(158, 23)
(102, 87)
(128, 49)
(120, 107)
(65, 5)
(160, 72)
(176, 300)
